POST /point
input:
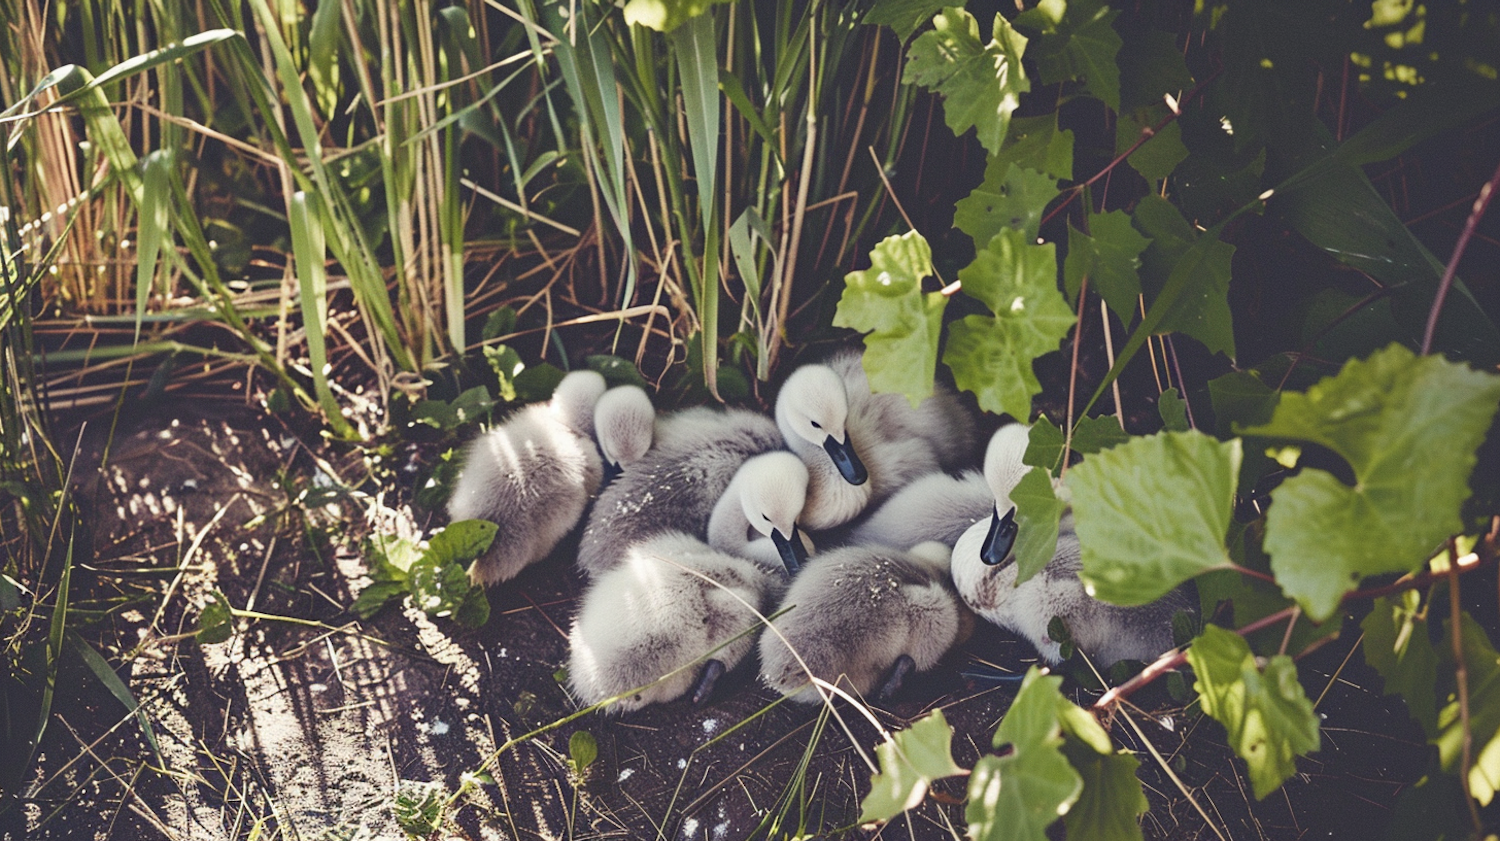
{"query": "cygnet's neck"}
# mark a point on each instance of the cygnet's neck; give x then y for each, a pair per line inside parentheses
(831, 500)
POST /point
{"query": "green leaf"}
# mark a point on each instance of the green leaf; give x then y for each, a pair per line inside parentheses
(1152, 513)
(1090, 435)
(537, 382)
(909, 761)
(1431, 810)
(1151, 65)
(1157, 157)
(1199, 265)
(215, 621)
(1011, 197)
(1109, 807)
(1017, 280)
(1396, 645)
(1110, 257)
(419, 807)
(507, 365)
(375, 596)
(1483, 666)
(1240, 398)
(1267, 715)
(390, 557)
(1409, 427)
(901, 322)
(112, 682)
(903, 16)
(665, 15)
(615, 370)
(582, 749)
(1038, 512)
(1077, 41)
(1036, 143)
(1017, 796)
(1173, 411)
(981, 84)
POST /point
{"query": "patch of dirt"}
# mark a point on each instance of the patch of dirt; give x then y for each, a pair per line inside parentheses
(305, 729)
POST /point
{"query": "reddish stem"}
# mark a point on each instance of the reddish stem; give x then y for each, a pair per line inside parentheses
(1475, 214)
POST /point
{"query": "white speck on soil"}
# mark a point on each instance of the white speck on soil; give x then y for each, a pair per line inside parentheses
(625, 775)
(710, 725)
(682, 763)
(690, 828)
(439, 727)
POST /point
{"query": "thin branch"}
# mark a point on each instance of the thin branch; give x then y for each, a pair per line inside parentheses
(1477, 213)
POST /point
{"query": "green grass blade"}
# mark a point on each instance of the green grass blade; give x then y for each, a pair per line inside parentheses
(116, 687)
(694, 47)
(308, 249)
(152, 228)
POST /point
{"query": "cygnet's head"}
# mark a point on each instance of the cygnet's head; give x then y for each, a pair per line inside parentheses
(813, 407)
(575, 398)
(624, 423)
(772, 489)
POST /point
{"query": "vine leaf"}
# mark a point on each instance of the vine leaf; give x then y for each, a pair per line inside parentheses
(1177, 250)
(992, 357)
(1037, 143)
(1151, 64)
(1152, 513)
(1090, 435)
(1112, 800)
(909, 761)
(903, 16)
(902, 323)
(1396, 645)
(1017, 796)
(1011, 197)
(1157, 157)
(981, 84)
(1038, 512)
(1077, 41)
(665, 15)
(1268, 716)
(1483, 665)
(1110, 257)
(1173, 410)
(1409, 427)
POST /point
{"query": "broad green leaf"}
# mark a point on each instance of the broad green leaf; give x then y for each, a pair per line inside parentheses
(903, 16)
(1077, 41)
(1179, 257)
(1017, 796)
(1267, 715)
(1483, 666)
(1409, 427)
(419, 807)
(981, 84)
(215, 621)
(1017, 280)
(1038, 512)
(1173, 411)
(375, 596)
(1036, 143)
(583, 749)
(615, 370)
(1090, 435)
(1109, 807)
(1240, 398)
(1152, 513)
(1151, 66)
(462, 541)
(1157, 157)
(1396, 645)
(666, 15)
(909, 761)
(1250, 598)
(1011, 197)
(1431, 810)
(1215, 179)
(439, 589)
(1110, 257)
(901, 323)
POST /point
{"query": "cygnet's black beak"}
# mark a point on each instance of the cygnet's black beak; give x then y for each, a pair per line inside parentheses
(612, 471)
(1001, 538)
(846, 460)
(793, 553)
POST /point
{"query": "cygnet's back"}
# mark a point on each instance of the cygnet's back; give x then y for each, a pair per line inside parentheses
(676, 485)
(934, 507)
(670, 601)
(533, 476)
(854, 612)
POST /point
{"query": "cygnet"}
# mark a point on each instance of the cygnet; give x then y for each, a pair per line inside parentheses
(936, 507)
(861, 447)
(863, 618)
(671, 601)
(984, 570)
(533, 476)
(677, 484)
(625, 425)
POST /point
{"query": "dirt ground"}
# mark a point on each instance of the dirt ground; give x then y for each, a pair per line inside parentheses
(305, 730)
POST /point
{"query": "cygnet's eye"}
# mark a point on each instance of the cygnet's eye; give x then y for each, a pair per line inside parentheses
(815, 424)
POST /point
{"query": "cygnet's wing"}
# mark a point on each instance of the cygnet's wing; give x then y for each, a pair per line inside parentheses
(934, 507)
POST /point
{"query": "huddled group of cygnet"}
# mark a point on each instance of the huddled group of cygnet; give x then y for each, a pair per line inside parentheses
(702, 529)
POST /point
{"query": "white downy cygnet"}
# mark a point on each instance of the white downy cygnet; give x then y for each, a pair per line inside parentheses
(677, 484)
(670, 601)
(533, 476)
(863, 618)
(861, 447)
(756, 518)
(984, 570)
(625, 426)
(935, 507)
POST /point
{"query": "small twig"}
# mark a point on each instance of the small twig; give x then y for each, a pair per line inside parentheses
(1480, 204)
(1460, 671)
(1181, 383)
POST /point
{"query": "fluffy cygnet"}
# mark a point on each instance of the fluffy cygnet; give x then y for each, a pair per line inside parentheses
(671, 601)
(862, 447)
(756, 518)
(625, 425)
(935, 507)
(984, 570)
(676, 485)
(863, 618)
(533, 476)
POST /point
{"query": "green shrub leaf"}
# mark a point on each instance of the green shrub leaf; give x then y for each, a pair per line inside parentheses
(1017, 796)
(1177, 253)
(1038, 511)
(903, 16)
(1077, 41)
(1396, 645)
(1173, 411)
(1090, 435)
(1158, 156)
(992, 357)
(981, 84)
(1409, 427)
(901, 322)
(1151, 65)
(583, 749)
(461, 542)
(1153, 512)
(1268, 716)
(216, 621)
(1110, 257)
(1037, 143)
(1012, 196)
(909, 761)
(1483, 726)
(1111, 801)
